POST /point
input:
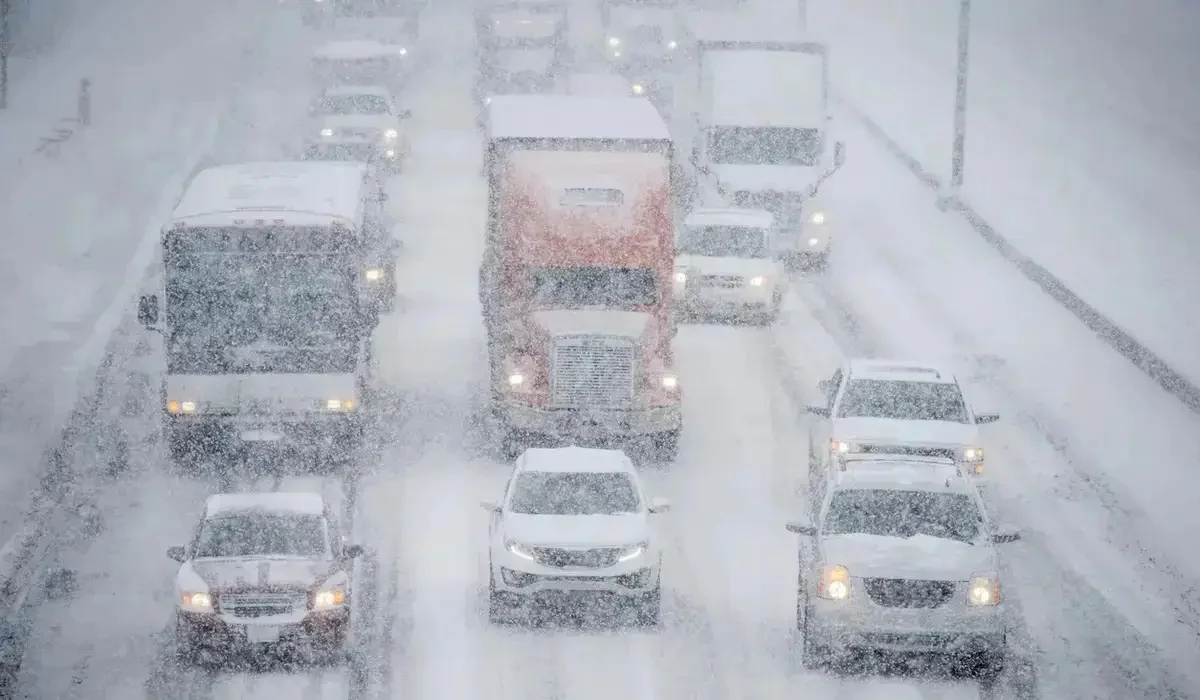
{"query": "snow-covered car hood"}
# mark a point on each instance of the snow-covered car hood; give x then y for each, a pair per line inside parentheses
(921, 557)
(220, 574)
(766, 178)
(624, 324)
(576, 530)
(744, 267)
(525, 60)
(359, 121)
(266, 392)
(906, 432)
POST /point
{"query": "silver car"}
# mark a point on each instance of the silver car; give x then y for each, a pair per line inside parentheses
(902, 558)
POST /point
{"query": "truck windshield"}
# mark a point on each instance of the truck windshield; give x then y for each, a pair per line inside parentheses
(724, 242)
(353, 104)
(767, 145)
(905, 514)
(580, 287)
(263, 535)
(231, 313)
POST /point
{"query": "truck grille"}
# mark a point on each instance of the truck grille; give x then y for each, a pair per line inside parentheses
(726, 281)
(598, 558)
(260, 605)
(901, 593)
(911, 450)
(592, 371)
(358, 133)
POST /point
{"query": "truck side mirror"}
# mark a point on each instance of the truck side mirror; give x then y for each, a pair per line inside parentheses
(839, 154)
(148, 311)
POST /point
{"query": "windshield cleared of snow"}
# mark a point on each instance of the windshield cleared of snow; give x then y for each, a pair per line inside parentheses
(580, 287)
(574, 493)
(903, 400)
(724, 242)
(262, 536)
(890, 513)
(745, 145)
(354, 104)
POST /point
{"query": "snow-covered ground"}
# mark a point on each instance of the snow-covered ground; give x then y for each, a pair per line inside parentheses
(1102, 576)
(1081, 136)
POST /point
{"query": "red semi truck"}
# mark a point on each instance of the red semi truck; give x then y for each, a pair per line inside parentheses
(577, 275)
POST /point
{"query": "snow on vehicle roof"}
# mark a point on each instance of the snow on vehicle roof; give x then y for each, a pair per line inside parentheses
(725, 26)
(311, 189)
(352, 49)
(902, 474)
(791, 93)
(354, 90)
(755, 218)
(575, 459)
(901, 371)
(270, 501)
(574, 117)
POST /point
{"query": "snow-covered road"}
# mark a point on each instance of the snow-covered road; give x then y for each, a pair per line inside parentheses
(1092, 576)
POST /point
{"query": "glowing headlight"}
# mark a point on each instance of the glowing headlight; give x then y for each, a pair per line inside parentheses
(839, 447)
(516, 380)
(758, 281)
(339, 404)
(403, 52)
(672, 45)
(487, 100)
(329, 598)
(196, 602)
(633, 551)
(818, 217)
(181, 407)
(983, 589)
(518, 549)
(327, 132)
(614, 42)
(373, 274)
(389, 153)
(814, 241)
(638, 88)
(681, 277)
(834, 583)
(391, 134)
(973, 454)
(669, 381)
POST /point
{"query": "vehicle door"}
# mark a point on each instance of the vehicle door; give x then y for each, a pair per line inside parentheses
(821, 427)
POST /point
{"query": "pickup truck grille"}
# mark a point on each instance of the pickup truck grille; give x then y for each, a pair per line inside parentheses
(260, 605)
(592, 371)
(902, 593)
(597, 558)
(910, 450)
(358, 133)
(726, 281)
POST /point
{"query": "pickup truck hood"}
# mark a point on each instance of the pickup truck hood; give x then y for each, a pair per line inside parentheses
(743, 267)
(525, 60)
(270, 392)
(576, 530)
(921, 557)
(906, 432)
(261, 572)
(624, 324)
(767, 178)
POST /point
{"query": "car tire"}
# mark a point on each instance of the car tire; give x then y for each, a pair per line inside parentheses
(500, 607)
(812, 655)
(649, 608)
(665, 446)
(984, 666)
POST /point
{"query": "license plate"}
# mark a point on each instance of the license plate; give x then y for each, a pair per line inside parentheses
(260, 436)
(262, 634)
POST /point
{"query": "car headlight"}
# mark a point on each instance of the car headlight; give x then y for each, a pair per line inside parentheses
(839, 447)
(520, 550)
(814, 241)
(516, 379)
(834, 583)
(338, 404)
(196, 602)
(329, 598)
(373, 274)
(614, 42)
(391, 134)
(327, 132)
(672, 45)
(638, 88)
(758, 281)
(974, 457)
(818, 217)
(403, 52)
(680, 277)
(177, 407)
(983, 589)
(633, 551)
(669, 382)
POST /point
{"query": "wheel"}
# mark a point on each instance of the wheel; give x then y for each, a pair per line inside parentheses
(984, 666)
(649, 608)
(812, 655)
(500, 607)
(665, 446)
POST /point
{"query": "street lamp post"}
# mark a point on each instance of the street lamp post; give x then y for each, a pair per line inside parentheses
(958, 155)
(4, 42)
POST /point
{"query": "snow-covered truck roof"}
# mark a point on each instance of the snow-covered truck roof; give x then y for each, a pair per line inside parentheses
(789, 86)
(357, 50)
(281, 502)
(721, 26)
(574, 117)
(598, 85)
(290, 193)
(749, 218)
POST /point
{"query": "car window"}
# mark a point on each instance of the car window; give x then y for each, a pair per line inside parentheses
(263, 535)
(724, 241)
(889, 513)
(574, 493)
(354, 104)
(903, 400)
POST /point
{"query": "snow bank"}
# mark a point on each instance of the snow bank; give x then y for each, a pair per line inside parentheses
(1081, 145)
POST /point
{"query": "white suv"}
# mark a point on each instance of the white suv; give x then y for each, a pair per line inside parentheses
(574, 522)
(901, 558)
(894, 407)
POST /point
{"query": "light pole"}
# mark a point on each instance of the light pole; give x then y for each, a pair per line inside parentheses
(4, 7)
(958, 154)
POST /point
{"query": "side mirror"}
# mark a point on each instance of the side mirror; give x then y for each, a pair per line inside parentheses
(824, 385)
(659, 505)
(178, 554)
(1005, 536)
(981, 418)
(490, 506)
(822, 411)
(147, 312)
(404, 114)
(352, 551)
(801, 528)
(839, 154)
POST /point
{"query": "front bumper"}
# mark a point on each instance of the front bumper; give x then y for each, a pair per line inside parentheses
(592, 423)
(226, 633)
(528, 579)
(734, 302)
(312, 431)
(858, 623)
(382, 153)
